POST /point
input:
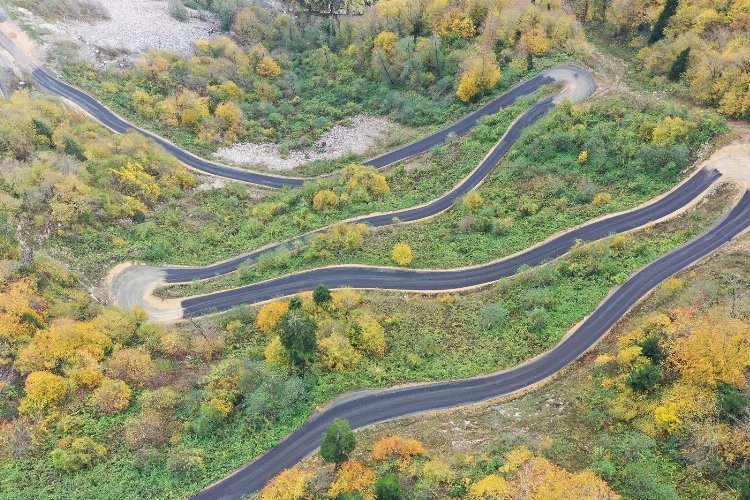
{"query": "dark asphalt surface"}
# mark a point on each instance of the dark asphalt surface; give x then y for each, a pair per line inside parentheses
(389, 404)
(529, 117)
(440, 280)
(50, 83)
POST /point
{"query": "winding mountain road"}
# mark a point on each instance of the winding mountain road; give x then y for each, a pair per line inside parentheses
(46, 80)
(370, 408)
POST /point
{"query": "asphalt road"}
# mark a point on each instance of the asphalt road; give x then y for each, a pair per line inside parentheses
(97, 110)
(389, 404)
(441, 280)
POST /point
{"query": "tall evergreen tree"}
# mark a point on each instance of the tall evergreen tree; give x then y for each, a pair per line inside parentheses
(338, 442)
(679, 65)
(658, 32)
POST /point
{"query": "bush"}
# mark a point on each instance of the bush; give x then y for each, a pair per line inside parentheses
(178, 10)
(402, 254)
(112, 396)
(388, 488)
(75, 454)
(186, 463)
(493, 316)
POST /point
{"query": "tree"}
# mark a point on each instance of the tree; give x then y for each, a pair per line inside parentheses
(481, 72)
(670, 7)
(651, 348)
(298, 336)
(388, 488)
(733, 404)
(644, 377)
(402, 254)
(338, 442)
(322, 295)
(679, 66)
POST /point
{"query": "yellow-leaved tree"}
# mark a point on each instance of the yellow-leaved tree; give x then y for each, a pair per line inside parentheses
(481, 72)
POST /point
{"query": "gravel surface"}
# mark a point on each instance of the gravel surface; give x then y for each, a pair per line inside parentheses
(340, 140)
(133, 27)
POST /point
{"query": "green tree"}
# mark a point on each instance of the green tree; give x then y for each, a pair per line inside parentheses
(651, 348)
(679, 65)
(644, 377)
(298, 336)
(732, 403)
(658, 32)
(322, 295)
(338, 442)
(388, 488)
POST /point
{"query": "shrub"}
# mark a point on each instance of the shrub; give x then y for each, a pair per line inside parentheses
(268, 68)
(325, 199)
(147, 430)
(353, 477)
(133, 365)
(402, 254)
(112, 396)
(388, 488)
(186, 463)
(493, 316)
(397, 446)
(75, 454)
(43, 390)
(601, 199)
(290, 484)
(178, 10)
(473, 200)
(338, 442)
(492, 486)
(338, 353)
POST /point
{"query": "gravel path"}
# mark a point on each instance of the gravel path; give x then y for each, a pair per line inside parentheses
(358, 138)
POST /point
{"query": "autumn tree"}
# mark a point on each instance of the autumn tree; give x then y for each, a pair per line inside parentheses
(289, 484)
(43, 391)
(353, 476)
(397, 446)
(270, 314)
(338, 442)
(481, 72)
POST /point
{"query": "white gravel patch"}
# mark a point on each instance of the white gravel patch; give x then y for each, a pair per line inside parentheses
(135, 26)
(358, 138)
